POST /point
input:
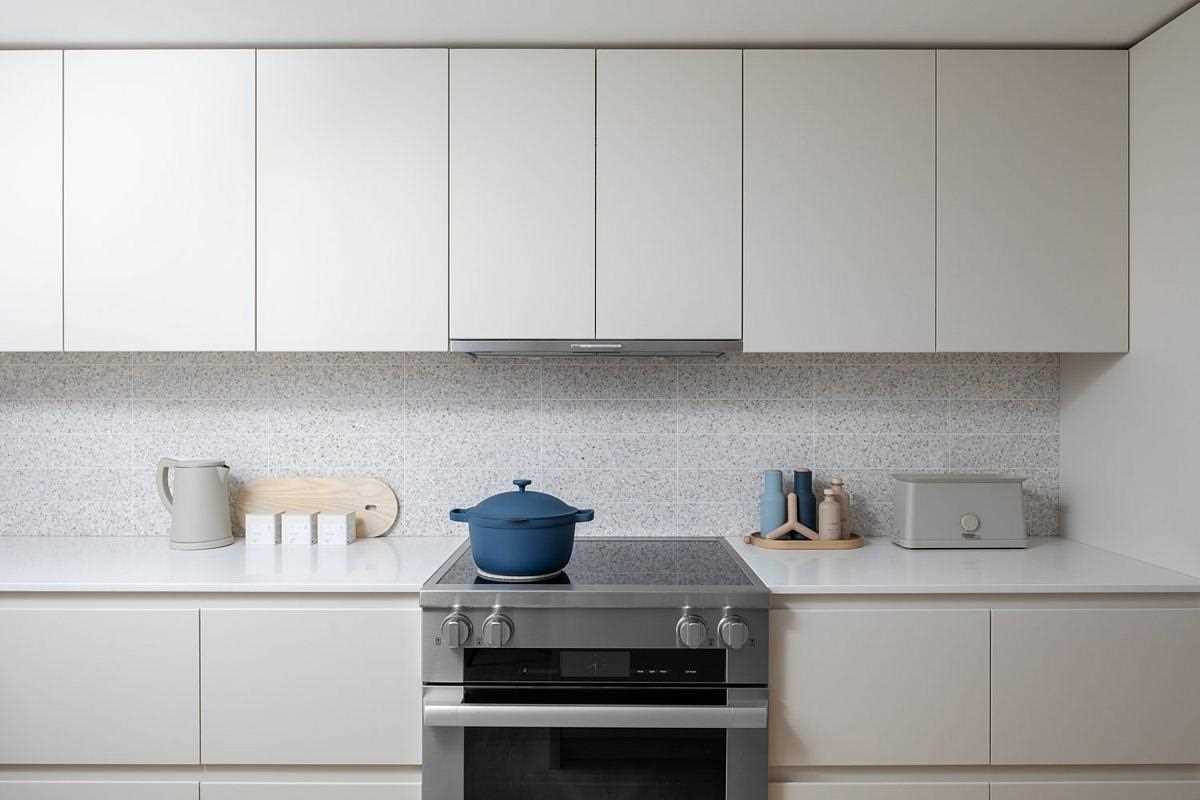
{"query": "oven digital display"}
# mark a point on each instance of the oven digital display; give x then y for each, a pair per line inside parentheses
(594, 663)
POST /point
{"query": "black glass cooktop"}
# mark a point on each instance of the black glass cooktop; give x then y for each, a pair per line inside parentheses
(628, 562)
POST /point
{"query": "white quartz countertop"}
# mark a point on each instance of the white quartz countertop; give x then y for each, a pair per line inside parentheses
(126, 564)
(402, 564)
(1047, 566)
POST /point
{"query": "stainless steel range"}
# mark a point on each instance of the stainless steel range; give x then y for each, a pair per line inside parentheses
(641, 672)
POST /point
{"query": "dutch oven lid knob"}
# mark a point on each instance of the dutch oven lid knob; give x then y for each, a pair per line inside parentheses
(521, 483)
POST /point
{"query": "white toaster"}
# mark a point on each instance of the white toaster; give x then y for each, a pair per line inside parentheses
(958, 510)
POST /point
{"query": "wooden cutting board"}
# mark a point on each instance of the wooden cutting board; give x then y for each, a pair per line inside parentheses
(372, 500)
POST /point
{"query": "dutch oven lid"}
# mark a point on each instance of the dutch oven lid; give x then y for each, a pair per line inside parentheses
(522, 506)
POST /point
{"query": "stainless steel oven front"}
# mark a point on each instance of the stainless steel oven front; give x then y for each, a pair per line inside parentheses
(601, 705)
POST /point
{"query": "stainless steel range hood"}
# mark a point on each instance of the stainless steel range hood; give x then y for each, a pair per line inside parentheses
(596, 347)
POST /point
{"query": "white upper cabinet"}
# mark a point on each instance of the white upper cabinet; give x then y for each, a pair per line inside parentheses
(668, 194)
(839, 200)
(522, 194)
(159, 200)
(31, 200)
(1032, 189)
(352, 193)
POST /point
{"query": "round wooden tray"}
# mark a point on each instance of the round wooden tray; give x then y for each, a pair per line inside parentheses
(756, 538)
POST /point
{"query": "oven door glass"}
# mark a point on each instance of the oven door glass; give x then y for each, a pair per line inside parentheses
(593, 764)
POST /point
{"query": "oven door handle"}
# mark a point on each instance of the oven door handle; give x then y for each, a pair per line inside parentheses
(498, 715)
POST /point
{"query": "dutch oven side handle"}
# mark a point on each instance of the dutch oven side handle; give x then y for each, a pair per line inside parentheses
(459, 515)
(585, 515)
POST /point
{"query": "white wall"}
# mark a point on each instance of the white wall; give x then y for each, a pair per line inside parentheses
(1131, 424)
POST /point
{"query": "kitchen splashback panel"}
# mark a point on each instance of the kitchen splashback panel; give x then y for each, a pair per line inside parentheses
(656, 446)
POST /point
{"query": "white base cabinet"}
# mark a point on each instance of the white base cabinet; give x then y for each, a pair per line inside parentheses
(104, 686)
(311, 686)
(878, 791)
(98, 790)
(265, 790)
(831, 706)
(1097, 790)
(1095, 686)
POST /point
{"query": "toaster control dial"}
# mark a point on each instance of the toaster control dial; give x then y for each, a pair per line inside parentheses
(456, 630)
(497, 630)
(691, 630)
(970, 524)
(734, 632)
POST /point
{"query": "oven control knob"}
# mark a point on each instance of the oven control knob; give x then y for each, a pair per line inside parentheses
(734, 632)
(692, 631)
(497, 630)
(456, 630)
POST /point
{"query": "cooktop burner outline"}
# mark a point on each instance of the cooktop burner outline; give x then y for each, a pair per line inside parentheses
(613, 563)
(611, 572)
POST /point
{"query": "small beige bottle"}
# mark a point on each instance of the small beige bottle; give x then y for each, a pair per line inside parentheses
(843, 497)
(829, 517)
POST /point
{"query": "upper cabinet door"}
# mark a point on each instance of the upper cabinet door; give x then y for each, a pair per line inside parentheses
(352, 200)
(839, 200)
(1032, 200)
(159, 200)
(669, 194)
(522, 194)
(31, 201)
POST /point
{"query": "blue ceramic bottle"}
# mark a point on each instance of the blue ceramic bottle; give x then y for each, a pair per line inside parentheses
(806, 501)
(772, 505)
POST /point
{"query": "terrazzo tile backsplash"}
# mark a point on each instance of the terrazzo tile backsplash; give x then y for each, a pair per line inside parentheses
(656, 446)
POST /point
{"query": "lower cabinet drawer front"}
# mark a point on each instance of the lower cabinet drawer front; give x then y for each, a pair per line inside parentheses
(1087, 790)
(878, 791)
(99, 686)
(879, 687)
(310, 686)
(310, 791)
(98, 790)
(1095, 686)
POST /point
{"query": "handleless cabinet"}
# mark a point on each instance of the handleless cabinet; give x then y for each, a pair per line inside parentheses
(278, 790)
(1095, 686)
(943, 790)
(158, 194)
(31, 200)
(103, 686)
(668, 194)
(310, 686)
(930, 708)
(1032, 200)
(98, 790)
(839, 200)
(352, 193)
(522, 194)
(1096, 790)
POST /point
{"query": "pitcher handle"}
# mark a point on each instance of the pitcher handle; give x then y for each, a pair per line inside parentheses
(164, 491)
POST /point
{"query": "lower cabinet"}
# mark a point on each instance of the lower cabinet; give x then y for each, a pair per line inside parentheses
(98, 790)
(310, 686)
(1086, 790)
(878, 791)
(879, 687)
(310, 791)
(1095, 686)
(99, 686)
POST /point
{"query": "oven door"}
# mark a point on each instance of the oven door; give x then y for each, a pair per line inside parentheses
(563, 743)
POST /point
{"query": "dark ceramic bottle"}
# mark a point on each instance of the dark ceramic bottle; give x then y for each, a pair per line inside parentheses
(806, 501)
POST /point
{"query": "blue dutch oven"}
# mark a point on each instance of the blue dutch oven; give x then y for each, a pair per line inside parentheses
(521, 536)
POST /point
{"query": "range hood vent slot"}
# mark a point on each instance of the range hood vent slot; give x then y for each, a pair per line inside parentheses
(711, 348)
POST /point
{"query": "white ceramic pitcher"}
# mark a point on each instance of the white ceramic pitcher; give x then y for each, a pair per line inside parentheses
(199, 505)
